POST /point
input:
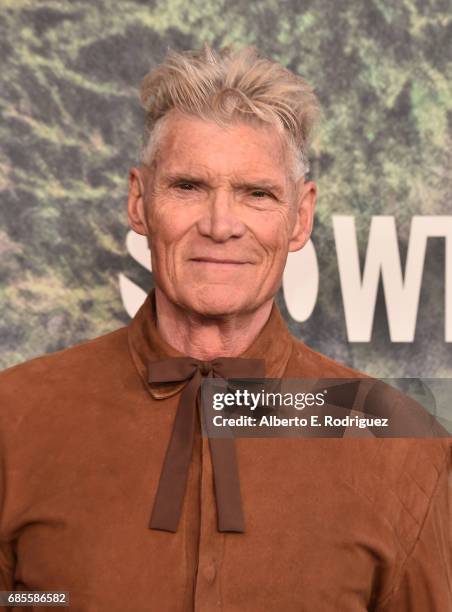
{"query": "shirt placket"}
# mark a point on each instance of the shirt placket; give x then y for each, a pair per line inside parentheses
(207, 584)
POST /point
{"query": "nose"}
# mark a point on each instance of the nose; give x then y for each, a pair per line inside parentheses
(220, 220)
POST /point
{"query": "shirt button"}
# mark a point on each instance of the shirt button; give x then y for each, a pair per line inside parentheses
(210, 573)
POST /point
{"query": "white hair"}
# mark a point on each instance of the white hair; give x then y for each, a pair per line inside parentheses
(227, 86)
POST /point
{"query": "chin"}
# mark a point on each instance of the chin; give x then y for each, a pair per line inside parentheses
(216, 303)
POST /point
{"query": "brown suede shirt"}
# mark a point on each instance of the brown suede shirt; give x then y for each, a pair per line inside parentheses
(332, 525)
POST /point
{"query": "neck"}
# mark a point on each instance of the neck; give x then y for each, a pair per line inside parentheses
(208, 338)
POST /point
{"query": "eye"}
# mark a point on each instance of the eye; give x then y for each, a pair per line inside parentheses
(259, 193)
(185, 186)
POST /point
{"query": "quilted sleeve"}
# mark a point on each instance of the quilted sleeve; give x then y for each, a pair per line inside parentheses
(425, 584)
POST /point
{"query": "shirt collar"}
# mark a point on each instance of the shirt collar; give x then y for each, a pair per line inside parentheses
(273, 344)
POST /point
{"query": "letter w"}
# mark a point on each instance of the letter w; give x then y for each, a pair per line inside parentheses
(401, 294)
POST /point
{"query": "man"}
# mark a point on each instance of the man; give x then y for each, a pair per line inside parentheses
(109, 491)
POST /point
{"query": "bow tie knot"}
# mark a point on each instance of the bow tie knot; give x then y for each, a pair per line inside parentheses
(205, 367)
(174, 475)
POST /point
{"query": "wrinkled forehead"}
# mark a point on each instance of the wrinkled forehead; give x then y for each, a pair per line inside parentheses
(191, 144)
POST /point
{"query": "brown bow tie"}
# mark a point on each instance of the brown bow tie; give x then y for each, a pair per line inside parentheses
(174, 475)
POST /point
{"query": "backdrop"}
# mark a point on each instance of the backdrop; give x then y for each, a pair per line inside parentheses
(374, 286)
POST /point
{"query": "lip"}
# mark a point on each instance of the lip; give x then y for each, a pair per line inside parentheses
(214, 260)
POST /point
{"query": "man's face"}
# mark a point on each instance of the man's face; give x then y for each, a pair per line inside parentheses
(222, 212)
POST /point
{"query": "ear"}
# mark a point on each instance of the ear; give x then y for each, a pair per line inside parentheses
(305, 205)
(135, 203)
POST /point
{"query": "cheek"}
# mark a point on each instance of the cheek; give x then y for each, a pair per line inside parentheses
(272, 231)
(168, 224)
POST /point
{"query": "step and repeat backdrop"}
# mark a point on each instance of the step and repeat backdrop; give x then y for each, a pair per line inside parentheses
(373, 287)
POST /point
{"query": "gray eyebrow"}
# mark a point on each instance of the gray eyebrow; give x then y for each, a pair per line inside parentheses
(182, 176)
(260, 184)
(254, 184)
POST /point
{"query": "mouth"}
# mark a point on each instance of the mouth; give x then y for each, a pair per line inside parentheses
(218, 261)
